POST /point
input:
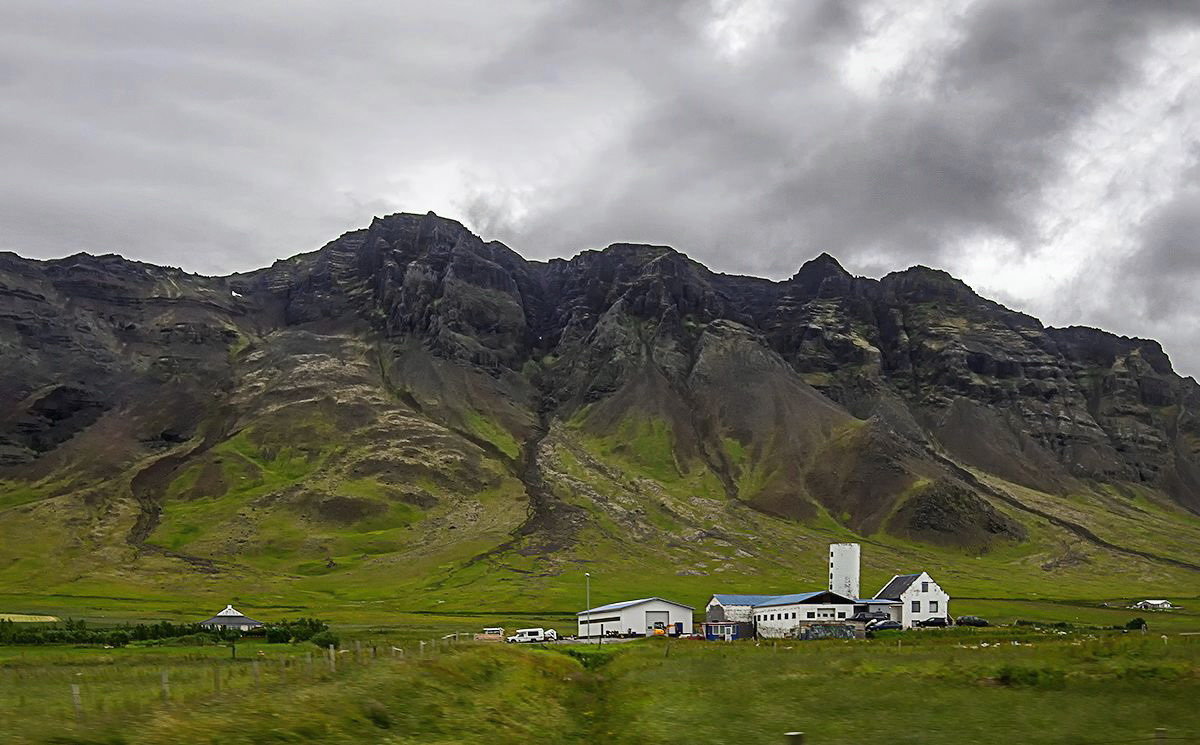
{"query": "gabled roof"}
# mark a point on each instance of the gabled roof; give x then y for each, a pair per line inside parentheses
(805, 597)
(894, 589)
(230, 617)
(743, 599)
(628, 603)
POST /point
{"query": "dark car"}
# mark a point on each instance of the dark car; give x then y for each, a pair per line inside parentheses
(885, 626)
(971, 621)
(933, 622)
(868, 616)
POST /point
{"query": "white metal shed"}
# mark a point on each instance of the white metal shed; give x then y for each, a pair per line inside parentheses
(636, 617)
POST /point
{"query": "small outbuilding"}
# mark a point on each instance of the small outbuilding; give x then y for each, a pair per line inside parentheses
(737, 608)
(231, 618)
(1153, 605)
(637, 618)
(727, 631)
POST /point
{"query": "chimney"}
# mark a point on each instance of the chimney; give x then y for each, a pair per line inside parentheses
(843, 569)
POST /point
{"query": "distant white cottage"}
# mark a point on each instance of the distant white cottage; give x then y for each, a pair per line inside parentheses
(919, 598)
(231, 618)
(1153, 605)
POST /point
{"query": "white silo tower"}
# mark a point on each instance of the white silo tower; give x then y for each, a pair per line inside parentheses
(843, 569)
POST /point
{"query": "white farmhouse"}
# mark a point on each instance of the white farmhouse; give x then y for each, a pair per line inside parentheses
(636, 617)
(919, 596)
(782, 616)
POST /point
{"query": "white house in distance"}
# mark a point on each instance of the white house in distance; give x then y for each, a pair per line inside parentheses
(919, 596)
(231, 618)
(1153, 605)
(636, 617)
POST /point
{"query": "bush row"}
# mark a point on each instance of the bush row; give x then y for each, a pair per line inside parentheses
(78, 632)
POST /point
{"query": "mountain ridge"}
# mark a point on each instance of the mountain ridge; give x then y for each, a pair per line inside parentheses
(411, 393)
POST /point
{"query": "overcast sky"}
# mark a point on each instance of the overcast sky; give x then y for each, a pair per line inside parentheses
(1045, 151)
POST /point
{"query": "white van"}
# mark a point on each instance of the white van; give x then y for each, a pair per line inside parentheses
(526, 636)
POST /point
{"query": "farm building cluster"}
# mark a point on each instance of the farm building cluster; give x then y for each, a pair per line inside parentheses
(840, 611)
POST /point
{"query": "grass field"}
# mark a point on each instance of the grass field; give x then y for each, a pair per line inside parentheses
(956, 686)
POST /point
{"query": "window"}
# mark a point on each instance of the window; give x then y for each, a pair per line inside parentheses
(933, 606)
(924, 587)
(793, 614)
(916, 606)
(812, 615)
(841, 615)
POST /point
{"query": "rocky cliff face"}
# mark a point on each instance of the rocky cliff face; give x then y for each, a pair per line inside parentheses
(427, 367)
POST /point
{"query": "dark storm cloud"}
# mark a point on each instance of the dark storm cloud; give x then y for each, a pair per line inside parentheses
(774, 152)
(1166, 272)
(221, 135)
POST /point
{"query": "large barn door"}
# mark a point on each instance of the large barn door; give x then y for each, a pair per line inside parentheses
(657, 616)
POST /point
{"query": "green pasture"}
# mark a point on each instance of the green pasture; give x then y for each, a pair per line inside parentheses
(962, 685)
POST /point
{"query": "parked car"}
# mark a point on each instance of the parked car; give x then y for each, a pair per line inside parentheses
(933, 622)
(971, 621)
(868, 616)
(885, 626)
(530, 636)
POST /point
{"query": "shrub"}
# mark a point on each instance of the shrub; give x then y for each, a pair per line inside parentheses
(377, 714)
(1042, 677)
(278, 635)
(1135, 624)
(325, 638)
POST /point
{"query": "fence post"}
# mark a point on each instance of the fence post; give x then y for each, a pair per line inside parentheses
(357, 651)
(310, 664)
(794, 738)
(283, 671)
(77, 700)
(332, 660)
(166, 687)
(422, 649)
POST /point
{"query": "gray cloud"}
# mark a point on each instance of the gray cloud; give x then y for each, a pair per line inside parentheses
(220, 136)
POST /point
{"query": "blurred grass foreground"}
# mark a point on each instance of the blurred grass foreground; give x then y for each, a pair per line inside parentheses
(1078, 688)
